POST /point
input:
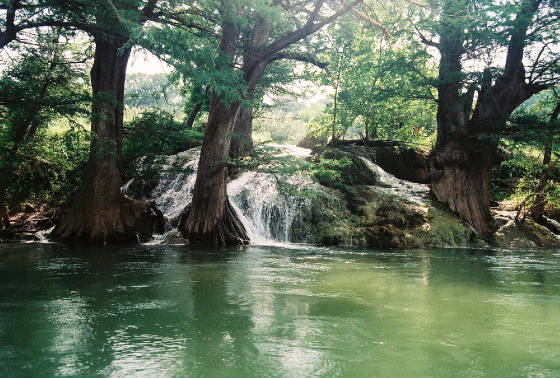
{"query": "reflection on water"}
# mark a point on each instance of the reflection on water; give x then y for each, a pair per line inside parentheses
(264, 311)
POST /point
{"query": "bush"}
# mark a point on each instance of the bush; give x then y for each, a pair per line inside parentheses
(49, 169)
(156, 132)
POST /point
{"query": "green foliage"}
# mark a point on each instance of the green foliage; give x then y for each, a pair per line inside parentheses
(516, 178)
(528, 133)
(156, 91)
(156, 132)
(36, 85)
(382, 87)
(35, 95)
(330, 171)
(50, 169)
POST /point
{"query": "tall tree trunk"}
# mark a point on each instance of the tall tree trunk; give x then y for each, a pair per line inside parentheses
(242, 137)
(97, 214)
(460, 165)
(462, 162)
(9, 34)
(537, 210)
(189, 122)
(210, 217)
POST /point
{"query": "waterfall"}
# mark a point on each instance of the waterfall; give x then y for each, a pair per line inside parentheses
(173, 191)
(266, 212)
(266, 203)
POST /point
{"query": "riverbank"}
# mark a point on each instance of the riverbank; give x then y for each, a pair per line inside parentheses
(341, 195)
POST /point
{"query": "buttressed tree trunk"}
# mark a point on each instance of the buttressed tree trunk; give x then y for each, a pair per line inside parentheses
(99, 211)
(461, 162)
(210, 217)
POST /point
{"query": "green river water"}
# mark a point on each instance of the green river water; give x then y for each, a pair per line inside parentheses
(163, 311)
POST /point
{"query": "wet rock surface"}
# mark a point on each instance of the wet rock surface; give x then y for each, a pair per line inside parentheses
(367, 207)
(399, 159)
(525, 233)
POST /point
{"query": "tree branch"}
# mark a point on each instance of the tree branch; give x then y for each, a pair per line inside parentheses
(309, 28)
(372, 22)
(307, 58)
(425, 40)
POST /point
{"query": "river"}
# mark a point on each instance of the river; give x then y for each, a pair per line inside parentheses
(175, 311)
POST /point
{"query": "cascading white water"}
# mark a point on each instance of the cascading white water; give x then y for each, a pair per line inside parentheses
(411, 192)
(176, 182)
(265, 211)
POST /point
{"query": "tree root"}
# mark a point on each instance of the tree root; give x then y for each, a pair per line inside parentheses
(228, 231)
(130, 222)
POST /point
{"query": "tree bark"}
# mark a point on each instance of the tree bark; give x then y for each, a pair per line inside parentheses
(210, 217)
(9, 34)
(192, 115)
(242, 137)
(98, 213)
(461, 162)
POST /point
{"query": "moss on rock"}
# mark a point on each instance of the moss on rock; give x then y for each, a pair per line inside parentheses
(358, 209)
(522, 234)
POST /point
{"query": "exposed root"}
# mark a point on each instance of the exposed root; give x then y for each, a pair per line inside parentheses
(227, 231)
(130, 222)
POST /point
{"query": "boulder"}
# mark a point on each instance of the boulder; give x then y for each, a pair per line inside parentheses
(312, 142)
(399, 159)
(368, 207)
(144, 218)
(524, 233)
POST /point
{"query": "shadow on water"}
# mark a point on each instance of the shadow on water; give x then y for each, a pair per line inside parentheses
(118, 311)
